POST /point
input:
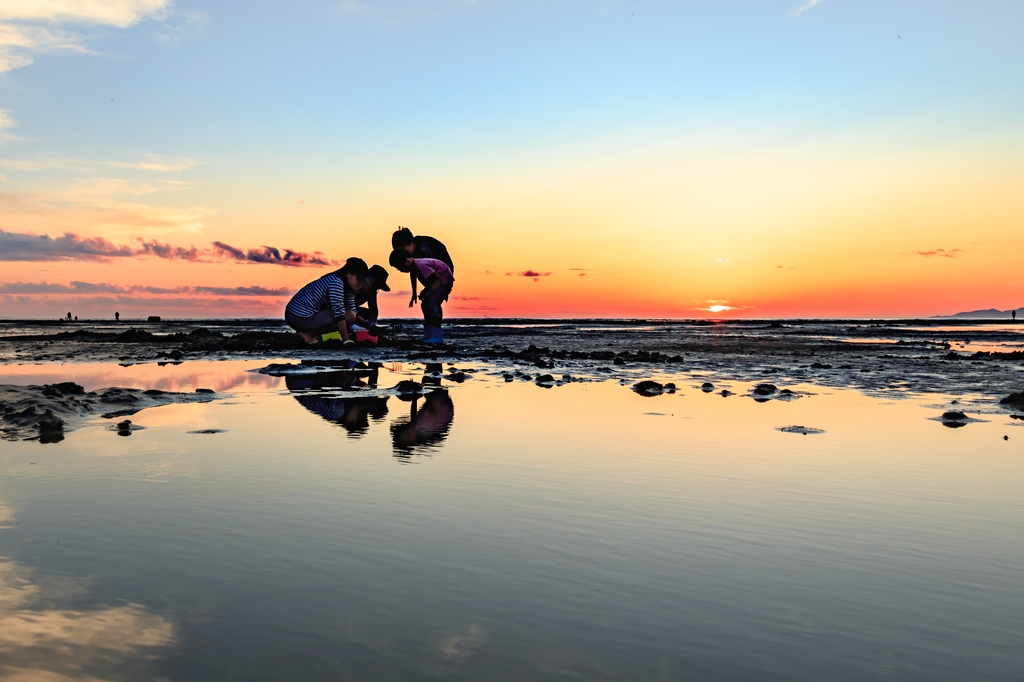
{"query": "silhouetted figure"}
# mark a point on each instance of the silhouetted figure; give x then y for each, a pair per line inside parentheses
(1013, 315)
(426, 427)
(76, 318)
(352, 414)
(69, 317)
(117, 317)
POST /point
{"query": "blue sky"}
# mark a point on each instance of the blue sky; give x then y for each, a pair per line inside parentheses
(213, 120)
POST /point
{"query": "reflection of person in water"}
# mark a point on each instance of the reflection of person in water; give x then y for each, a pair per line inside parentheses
(426, 426)
(352, 414)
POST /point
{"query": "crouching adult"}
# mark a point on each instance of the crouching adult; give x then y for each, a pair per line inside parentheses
(327, 304)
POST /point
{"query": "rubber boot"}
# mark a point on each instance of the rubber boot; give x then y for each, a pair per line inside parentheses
(437, 336)
(428, 333)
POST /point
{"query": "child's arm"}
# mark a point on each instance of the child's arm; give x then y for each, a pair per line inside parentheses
(432, 284)
(412, 281)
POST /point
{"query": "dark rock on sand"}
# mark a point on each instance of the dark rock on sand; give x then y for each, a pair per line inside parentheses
(207, 431)
(1016, 399)
(802, 430)
(649, 388)
(433, 368)
(820, 365)
(545, 380)
(409, 387)
(205, 390)
(765, 389)
(457, 377)
(46, 413)
(508, 377)
(726, 393)
(707, 387)
(954, 419)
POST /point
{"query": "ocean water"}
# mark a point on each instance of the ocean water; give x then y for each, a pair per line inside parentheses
(323, 529)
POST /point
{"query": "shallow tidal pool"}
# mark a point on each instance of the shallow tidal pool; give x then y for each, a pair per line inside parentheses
(304, 528)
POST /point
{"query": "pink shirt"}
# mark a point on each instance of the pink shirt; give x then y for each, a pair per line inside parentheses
(426, 267)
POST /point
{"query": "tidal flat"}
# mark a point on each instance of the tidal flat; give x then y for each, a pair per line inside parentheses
(518, 505)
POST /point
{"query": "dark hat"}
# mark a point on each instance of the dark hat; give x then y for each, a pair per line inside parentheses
(379, 277)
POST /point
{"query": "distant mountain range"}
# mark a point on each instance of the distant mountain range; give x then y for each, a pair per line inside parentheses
(989, 314)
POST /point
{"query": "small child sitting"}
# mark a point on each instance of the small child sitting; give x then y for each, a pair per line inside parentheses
(437, 279)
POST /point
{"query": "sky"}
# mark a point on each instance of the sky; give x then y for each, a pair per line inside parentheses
(603, 158)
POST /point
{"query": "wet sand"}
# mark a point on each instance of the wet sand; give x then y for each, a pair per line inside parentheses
(879, 357)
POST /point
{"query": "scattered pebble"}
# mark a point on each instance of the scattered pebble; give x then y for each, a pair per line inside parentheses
(802, 430)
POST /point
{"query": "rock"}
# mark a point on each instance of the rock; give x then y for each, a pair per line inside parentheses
(1016, 399)
(51, 428)
(205, 390)
(649, 388)
(207, 431)
(618, 361)
(954, 419)
(802, 430)
(545, 379)
(726, 393)
(953, 356)
(670, 387)
(409, 387)
(707, 387)
(508, 377)
(765, 389)
(819, 365)
(433, 368)
(457, 377)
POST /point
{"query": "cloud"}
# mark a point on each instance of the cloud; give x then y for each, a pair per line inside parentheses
(154, 162)
(104, 288)
(529, 273)
(800, 10)
(25, 25)
(15, 246)
(270, 254)
(942, 253)
(6, 122)
(39, 641)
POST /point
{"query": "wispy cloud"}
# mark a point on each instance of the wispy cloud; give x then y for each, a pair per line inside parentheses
(940, 253)
(29, 27)
(803, 8)
(104, 288)
(529, 273)
(154, 162)
(16, 246)
(6, 123)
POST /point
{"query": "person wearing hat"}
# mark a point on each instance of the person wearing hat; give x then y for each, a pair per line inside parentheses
(366, 298)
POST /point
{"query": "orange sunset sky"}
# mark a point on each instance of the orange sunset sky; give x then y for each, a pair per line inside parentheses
(598, 159)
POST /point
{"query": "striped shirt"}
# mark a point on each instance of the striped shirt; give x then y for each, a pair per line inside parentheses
(327, 293)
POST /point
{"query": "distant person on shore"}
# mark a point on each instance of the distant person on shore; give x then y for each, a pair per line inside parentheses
(420, 246)
(1013, 315)
(117, 316)
(69, 317)
(327, 303)
(437, 280)
(366, 298)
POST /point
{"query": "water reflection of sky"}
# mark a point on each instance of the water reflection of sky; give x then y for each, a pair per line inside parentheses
(580, 532)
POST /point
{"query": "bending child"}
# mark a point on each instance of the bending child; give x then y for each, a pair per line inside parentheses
(437, 280)
(420, 246)
(327, 303)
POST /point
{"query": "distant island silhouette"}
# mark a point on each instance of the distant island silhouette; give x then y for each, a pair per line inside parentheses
(987, 314)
